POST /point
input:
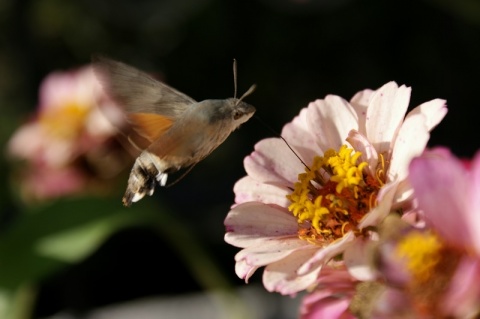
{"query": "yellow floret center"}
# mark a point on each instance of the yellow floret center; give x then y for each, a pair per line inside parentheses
(421, 253)
(332, 196)
(65, 122)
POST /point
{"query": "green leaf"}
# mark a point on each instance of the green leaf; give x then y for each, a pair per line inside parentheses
(47, 238)
(77, 243)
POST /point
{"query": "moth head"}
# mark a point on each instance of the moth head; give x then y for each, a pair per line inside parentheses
(242, 111)
(231, 112)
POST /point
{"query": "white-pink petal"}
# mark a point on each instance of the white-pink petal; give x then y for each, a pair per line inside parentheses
(27, 141)
(362, 99)
(404, 196)
(357, 258)
(273, 162)
(252, 223)
(385, 200)
(248, 189)
(298, 136)
(361, 144)
(385, 113)
(330, 120)
(271, 250)
(244, 270)
(282, 275)
(99, 125)
(79, 87)
(411, 141)
(326, 253)
(360, 102)
(434, 111)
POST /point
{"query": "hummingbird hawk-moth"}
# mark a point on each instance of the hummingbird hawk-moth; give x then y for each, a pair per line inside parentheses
(171, 130)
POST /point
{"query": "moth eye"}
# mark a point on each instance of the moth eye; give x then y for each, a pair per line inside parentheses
(237, 115)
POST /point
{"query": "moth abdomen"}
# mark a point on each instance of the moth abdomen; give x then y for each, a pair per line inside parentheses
(143, 177)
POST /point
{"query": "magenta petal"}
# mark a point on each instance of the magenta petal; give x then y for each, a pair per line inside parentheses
(331, 308)
(474, 194)
(464, 291)
(441, 185)
(473, 201)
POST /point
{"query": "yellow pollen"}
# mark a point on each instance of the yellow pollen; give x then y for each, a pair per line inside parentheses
(332, 195)
(343, 227)
(421, 252)
(380, 173)
(65, 122)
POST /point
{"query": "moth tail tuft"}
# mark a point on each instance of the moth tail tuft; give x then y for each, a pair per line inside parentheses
(140, 183)
(145, 174)
(127, 199)
(137, 190)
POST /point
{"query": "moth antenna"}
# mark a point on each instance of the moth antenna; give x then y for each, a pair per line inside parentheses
(234, 78)
(182, 176)
(249, 91)
(276, 134)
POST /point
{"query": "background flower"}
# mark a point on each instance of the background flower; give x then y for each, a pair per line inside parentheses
(331, 297)
(436, 268)
(70, 143)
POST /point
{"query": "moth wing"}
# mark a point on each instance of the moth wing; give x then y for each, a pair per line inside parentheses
(185, 143)
(145, 128)
(178, 143)
(151, 106)
(137, 91)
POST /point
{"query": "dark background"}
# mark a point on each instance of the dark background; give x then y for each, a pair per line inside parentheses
(295, 51)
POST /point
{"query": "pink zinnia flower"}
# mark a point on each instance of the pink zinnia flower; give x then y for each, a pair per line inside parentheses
(294, 219)
(436, 268)
(70, 136)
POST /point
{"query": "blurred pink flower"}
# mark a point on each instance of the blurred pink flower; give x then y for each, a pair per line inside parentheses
(357, 154)
(70, 138)
(436, 269)
(331, 297)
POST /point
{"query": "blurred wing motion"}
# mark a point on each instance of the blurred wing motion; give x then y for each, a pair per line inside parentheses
(151, 109)
(151, 106)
